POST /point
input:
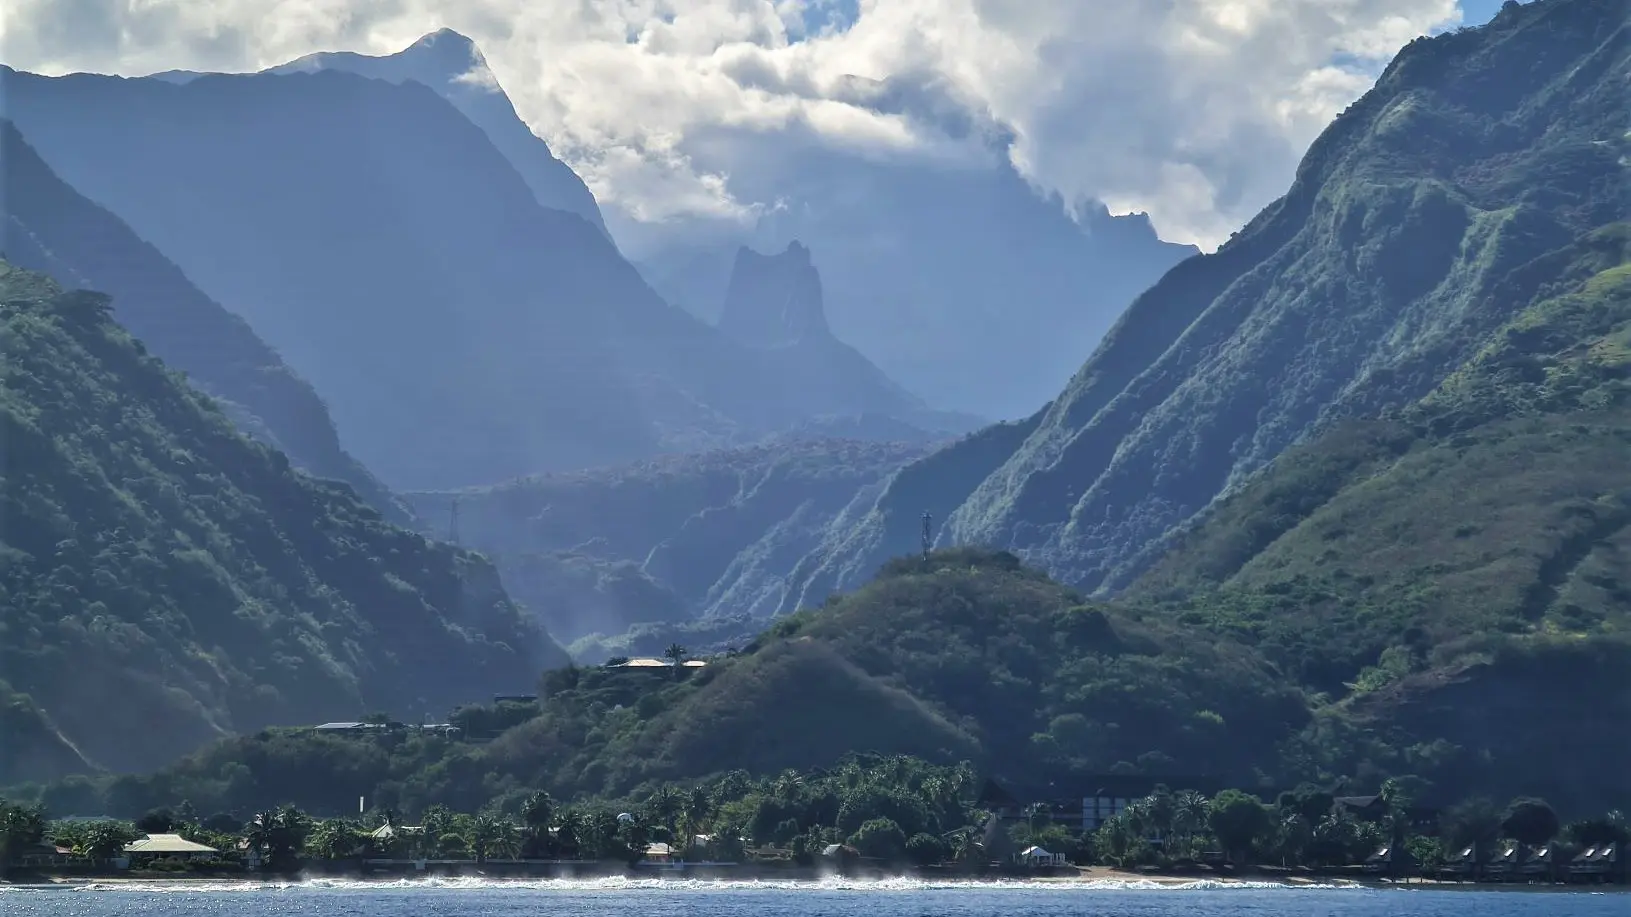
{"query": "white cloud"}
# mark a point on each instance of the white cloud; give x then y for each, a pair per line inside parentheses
(1195, 110)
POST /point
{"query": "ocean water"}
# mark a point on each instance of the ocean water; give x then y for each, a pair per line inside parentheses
(626, 898)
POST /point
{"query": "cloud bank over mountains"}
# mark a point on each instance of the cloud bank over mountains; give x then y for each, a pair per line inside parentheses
(1193, 110)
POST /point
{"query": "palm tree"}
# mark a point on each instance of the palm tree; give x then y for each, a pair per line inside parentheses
(436, 822)
(665, 804)
(334, 839)
(788, 784)
(278, 835)
(678, 654)
(1189, 812)
(1116, 839)
(696, 811)
(1294, 837)
(569, 838)
(489, 836)
(537, 813)
(105, 840)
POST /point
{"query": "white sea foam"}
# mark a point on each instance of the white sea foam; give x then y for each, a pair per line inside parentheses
(625, 884)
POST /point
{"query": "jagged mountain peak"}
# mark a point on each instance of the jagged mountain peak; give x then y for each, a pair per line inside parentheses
(774, 300)
(450, 63)
(443, 38)
(453, 53)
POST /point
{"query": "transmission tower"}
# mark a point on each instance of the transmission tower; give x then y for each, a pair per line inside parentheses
(928, 538)
(453, 522)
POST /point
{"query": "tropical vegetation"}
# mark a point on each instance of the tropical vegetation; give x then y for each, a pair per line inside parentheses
(154, 560)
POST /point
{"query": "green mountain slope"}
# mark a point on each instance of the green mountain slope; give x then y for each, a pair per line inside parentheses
(1500, 503)
(1409, 237)
(164, 581)
(49, 227)
(1456, 576)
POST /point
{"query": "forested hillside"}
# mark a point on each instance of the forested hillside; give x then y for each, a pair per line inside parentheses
(1419, 225)
(165, 581)
(969, 657)
(49, 227)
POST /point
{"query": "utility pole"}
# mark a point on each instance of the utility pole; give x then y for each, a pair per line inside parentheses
(928, 539)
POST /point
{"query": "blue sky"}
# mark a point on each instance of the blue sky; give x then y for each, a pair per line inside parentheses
(1478, 12)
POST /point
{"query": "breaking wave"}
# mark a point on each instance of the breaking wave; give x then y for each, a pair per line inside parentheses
(626, 884)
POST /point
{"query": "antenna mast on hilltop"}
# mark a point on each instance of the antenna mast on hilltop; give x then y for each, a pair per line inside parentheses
(928, 538)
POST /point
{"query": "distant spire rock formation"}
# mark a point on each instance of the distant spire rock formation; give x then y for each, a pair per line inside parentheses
(774, 300)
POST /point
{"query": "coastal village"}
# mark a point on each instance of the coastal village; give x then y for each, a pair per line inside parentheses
(1110, 827)
(1105, 827)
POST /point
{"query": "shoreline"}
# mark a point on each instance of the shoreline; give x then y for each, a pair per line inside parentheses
(1090, 876)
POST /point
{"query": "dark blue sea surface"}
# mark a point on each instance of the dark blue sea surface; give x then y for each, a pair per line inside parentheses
(619, 898)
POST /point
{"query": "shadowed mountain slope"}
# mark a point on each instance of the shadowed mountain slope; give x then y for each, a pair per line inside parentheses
(49, 227)
(165, 581)
(452, 65)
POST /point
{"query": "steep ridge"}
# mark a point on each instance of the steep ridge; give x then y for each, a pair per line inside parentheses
(1401, 246)
(165, 581)
(774, 300)
(1501, 503)
(774, 304)
(668, 540)
(451, 64)
(433, 293)
(50, 228)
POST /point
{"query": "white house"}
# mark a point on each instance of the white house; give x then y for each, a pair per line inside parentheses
(155, 846)
(1036, 856)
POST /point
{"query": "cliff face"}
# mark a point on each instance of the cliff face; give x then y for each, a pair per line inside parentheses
(1407, 239)
(774, 305)
(49, 227)
(454, 67)
(774, 300)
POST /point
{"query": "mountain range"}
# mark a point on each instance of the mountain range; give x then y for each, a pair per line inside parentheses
(939, 275)
(1344, 500)
(1429, 580)
(382, 244)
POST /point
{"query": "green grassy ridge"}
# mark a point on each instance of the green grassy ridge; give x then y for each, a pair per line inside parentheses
(165, 581)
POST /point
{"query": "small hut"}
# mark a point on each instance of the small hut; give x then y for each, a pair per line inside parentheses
(1038, 856)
